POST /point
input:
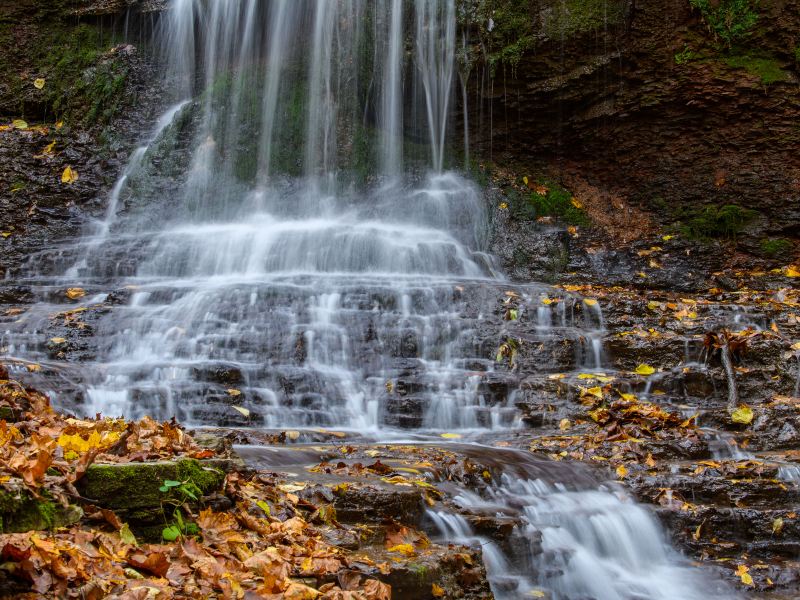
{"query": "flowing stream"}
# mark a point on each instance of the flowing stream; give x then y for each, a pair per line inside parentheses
(290, 241)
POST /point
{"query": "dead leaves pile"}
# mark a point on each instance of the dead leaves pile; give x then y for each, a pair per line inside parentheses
(48, 450)
(262, 548)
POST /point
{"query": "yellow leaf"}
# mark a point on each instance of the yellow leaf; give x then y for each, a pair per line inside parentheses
(564, 424)
(590, 302)
(292, 435)
(58, 340)
(49, 148)
(622, 472)
(653, 305)
(234, 393)
(557, 376)
(436, 591)
(796, 346)
(38, 83)
(19, 124)
(596, 391)
(243, 411)
(777, 525)
(537, 594)
(586, 376)
(667, 238)
(406, 549)
(451, 436)
(6, 234)
(75, 293)
(59, 124)
(290, 488)
(742, 415)
(69, 176)
(627, 397)
(503, 205)
(791, 271)
(525, 180)
(33, 368)
(644, 369)
(576, 203)
(650, 461)
(78, 445)
(698, 532)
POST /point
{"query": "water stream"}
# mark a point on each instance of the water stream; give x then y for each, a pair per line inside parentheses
(290, 241)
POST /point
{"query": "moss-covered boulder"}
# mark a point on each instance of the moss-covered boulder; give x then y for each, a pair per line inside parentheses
(20, 512)
(131, 486)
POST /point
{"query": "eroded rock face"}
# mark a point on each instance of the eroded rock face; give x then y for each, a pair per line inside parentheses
(83, 99)
(650, 108)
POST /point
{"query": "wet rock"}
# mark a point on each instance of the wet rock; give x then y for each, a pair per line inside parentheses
(20, 512)
(131, 486)
(457, 572)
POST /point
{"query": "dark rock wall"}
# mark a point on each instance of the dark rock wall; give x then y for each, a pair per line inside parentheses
(98, 92)
(654, 109)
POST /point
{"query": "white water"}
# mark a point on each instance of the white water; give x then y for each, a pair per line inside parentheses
(596, 544)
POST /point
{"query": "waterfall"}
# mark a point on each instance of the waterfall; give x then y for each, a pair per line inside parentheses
(288, 249)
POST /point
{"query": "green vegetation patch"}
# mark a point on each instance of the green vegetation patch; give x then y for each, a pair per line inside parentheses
(767, 69)
(547, 199)
(570, 18)
(774, 247)
(729, 21)
(725, 222)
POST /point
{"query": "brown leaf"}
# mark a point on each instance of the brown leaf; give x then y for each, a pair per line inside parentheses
(156, 563)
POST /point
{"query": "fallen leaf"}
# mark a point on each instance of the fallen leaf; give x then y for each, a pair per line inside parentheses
(791, 271)
(590, 302)
(451, 436)
(240, 409)
(436, 591)
(564, 424)
(38, 83)
(622, 472)
(75, 293)
(742, 415)
(69, 176)
(19, 124)
(644, 369)
(777, 525)
(406, 549)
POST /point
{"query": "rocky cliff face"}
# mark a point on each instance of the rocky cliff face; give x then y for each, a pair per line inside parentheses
(654, 113)
(73, 94)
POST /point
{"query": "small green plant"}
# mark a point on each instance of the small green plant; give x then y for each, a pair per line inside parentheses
(797, 55)
(178, 492)
(685, 56)
(730, 21)
(551, 200)
(717, 222)
(774, 247)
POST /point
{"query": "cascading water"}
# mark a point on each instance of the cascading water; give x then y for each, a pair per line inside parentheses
(288, 241)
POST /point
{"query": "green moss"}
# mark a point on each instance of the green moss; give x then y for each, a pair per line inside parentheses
(556, 202)
(797, 55)
(767, 69)
(730, 21)
(774, 247)
(716, 222)
(20, 512)
(135, 485)
(575, 17)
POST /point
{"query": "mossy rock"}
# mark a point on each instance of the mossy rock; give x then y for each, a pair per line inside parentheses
(20, 512)
(136, 485)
